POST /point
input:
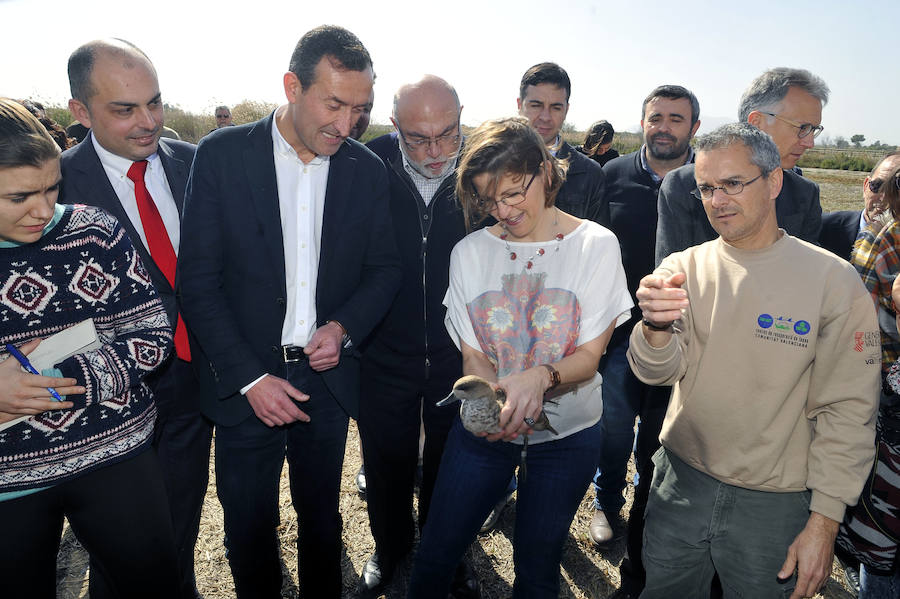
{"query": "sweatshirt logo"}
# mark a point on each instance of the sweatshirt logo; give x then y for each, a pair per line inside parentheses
(783, 329)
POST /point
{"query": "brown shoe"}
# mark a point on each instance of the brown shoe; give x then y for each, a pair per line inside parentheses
(601, 530)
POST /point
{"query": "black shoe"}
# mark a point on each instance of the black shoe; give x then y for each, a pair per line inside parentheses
(375, 577)
(851, 578)
(465, 584)
(361, 481)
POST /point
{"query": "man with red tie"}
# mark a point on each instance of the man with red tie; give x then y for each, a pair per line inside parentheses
(125, 168)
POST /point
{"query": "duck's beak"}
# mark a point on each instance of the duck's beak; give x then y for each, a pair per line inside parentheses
(447, 400)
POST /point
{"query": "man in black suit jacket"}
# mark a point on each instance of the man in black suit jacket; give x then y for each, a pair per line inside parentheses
(287, 264)
(116, 93)
(840, 229)
(544, 100)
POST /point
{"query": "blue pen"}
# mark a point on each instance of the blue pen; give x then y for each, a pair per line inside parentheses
(27, 366)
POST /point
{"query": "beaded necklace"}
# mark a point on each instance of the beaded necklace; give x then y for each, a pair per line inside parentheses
(529, 261)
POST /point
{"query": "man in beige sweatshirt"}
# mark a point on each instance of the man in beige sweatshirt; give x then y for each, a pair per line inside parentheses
(772, 347)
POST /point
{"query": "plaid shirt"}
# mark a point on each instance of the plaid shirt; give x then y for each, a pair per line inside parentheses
(877, 258)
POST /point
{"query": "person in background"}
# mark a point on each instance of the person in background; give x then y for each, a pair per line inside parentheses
(598, 143)
(841, 229)
(787, 104)
(362, 123)
(53, 128)
(87, 458)
(870, 531)
(77, 131)
(670, 116)
(544, 100)
(223, 117)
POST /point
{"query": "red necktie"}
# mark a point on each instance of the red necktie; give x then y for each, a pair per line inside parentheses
(159, 244)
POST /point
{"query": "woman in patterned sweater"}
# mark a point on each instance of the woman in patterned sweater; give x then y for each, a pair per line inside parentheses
(87, 458)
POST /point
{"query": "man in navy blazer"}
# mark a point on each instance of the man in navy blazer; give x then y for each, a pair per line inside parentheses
(288, 262)
(115, 92)
(840, 229)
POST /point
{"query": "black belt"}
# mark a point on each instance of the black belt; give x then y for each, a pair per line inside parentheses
(291, 354)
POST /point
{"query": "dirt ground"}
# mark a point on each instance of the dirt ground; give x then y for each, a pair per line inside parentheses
(587, 572)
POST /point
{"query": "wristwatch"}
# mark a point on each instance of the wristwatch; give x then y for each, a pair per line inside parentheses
(554, 376)
(658, 327)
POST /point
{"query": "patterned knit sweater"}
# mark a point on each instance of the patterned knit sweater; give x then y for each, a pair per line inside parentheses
(84, 267)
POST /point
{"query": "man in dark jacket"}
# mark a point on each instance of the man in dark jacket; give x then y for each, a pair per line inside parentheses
(840, 229)
(124, 168)
(786, 104)
(411, 362)
(670, 116)
(544, 100)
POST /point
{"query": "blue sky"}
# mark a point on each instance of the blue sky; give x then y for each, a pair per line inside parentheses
(615, 52)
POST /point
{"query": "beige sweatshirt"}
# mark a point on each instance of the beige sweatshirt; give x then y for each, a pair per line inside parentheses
(775, 367)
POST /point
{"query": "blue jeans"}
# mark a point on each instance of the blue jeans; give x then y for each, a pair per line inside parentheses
(872, 586)
(473, 475)
(621, 403)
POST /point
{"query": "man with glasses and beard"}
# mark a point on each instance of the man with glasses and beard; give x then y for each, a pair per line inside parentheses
(787, 104)
(670, 116)
(411, 362)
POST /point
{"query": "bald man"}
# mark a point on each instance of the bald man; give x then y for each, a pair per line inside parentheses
(411, 362)
(119, 166)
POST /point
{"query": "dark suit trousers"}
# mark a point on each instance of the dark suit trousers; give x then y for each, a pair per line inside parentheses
(389, 410)
(182, 439)
(249, 458)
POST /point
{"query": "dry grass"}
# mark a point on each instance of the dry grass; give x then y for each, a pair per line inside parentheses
(587, 572)
(838, 190)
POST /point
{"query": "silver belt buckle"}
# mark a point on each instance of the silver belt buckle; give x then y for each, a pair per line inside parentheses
(292, 354)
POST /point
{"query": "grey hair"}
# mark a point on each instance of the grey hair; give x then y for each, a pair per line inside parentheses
(771, 87)
(763, 151)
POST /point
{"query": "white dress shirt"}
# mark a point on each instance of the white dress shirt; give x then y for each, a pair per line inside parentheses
(116, 169)
(301, 201)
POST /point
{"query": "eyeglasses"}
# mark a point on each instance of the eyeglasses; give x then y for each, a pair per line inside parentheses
(446, 141)
(804, 129)
(222, 116)
(875, 184)
(510, 200)
(729, 188)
